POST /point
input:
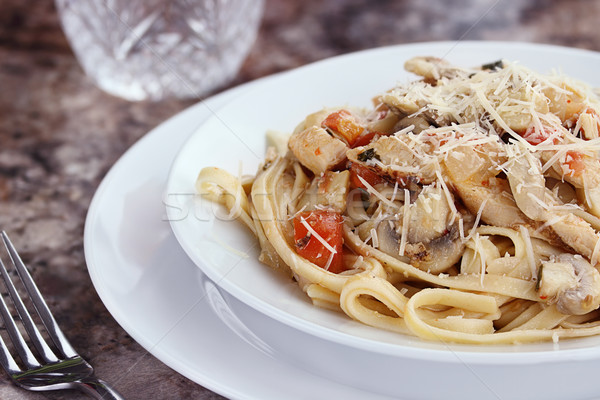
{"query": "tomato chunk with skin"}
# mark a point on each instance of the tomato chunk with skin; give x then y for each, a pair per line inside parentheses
(357, 170)
(327, 225)
(574, 162)
(365, 139)
(344, 124)
(535, 137)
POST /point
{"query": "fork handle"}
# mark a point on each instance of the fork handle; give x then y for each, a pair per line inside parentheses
(98, 389)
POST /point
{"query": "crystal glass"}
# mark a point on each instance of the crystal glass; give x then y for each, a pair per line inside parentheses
(152, 49)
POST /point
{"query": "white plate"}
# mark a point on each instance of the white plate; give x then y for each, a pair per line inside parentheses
(218, 245)
(158, 295)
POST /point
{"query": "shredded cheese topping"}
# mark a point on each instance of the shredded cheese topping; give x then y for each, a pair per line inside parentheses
(317, 236)
(405, 222)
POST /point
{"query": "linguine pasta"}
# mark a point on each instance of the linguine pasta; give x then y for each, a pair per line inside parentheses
(463, 206)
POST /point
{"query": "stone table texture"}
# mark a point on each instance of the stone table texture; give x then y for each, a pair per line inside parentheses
(59, 135)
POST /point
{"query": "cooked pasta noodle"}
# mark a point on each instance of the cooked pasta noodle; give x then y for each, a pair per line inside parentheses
(463, 206)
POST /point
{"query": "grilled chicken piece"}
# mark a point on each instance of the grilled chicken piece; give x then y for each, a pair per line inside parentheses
(397, 158)
(317, 150)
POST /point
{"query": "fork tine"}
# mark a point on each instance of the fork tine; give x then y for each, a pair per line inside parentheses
(13, 332)
(6, 359)
(33, 332)
(52, 328)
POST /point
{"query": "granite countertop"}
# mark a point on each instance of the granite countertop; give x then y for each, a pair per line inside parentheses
(59, 135)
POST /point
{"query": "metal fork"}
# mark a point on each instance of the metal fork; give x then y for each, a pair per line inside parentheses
(61, 368)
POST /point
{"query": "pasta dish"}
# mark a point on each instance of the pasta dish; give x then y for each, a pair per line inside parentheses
(463, 206)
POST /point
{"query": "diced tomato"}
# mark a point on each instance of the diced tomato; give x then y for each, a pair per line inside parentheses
(369, 176)
(574, 162)
(535, 137)
(343, 123)
(328, 225)
(365, 139)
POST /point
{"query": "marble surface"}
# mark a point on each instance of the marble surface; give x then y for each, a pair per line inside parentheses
(59, 135)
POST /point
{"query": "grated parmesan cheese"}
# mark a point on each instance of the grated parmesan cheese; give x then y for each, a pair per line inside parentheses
(374, 238)
(528, 250)
(405, 221)
(377, 194)
(551, 221)
(329, 260)
(317, 236)
(477, 218)
(449, 198)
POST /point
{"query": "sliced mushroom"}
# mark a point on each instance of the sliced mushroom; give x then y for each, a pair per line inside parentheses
(570, 282)
(429, 215)
(433, 238)
(432, 241)
(389, 239)
(437, 255)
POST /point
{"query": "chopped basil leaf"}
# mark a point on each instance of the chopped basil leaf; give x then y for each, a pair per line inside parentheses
(493, 66)
(367, 155)
(302, 243)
